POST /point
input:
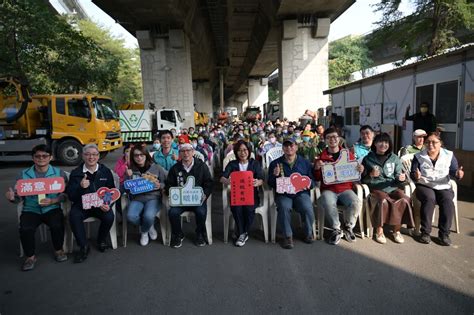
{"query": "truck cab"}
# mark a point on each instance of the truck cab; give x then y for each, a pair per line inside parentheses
(168, 118)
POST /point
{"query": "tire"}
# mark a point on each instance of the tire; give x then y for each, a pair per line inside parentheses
(70, 152)
(103, 154)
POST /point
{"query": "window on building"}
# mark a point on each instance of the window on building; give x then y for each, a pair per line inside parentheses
(424, 94)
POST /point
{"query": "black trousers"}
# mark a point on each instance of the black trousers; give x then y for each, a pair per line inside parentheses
(77, 217)
(30, 221)
(429, 198)
(243, 216)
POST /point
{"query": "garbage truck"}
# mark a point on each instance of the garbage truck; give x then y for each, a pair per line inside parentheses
(66, 122)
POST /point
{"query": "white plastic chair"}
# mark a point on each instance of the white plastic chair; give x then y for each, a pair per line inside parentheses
(262, 209)
(320, 213)
(187, 215)
(410, 191)
(160, 215)
(273, 154)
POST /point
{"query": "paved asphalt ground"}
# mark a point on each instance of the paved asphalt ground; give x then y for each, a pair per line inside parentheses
(260, 278)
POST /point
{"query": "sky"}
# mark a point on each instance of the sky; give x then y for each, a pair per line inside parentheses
(357, 20)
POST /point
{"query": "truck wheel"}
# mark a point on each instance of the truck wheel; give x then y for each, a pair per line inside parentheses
(103, 154)
(69, 152)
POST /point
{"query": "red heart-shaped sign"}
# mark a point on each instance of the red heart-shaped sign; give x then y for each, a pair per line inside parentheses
(109, 195)
(300, 182)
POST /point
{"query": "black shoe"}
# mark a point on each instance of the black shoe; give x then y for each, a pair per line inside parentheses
(444, 240)
(335, 237)
(287, 243)
(425, 238)
(308, 239)
(102, 246)
(349, 235)
(81, 255)
(200, 241)
(176, 241)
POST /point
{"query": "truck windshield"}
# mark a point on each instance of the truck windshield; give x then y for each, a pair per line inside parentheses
(179, 116)
(104, 109)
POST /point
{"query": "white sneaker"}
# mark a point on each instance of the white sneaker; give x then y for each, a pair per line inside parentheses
(398, 238)
(242, 239)
(152, 233)
(144, 239)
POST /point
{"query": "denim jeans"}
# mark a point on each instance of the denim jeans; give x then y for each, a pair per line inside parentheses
(175, 218)
(143, 214)
(301, 204)
(328, 202)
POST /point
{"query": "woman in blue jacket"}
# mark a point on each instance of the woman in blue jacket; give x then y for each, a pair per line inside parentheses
(243, 215)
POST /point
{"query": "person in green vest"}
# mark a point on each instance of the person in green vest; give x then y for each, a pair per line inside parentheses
(39, 209)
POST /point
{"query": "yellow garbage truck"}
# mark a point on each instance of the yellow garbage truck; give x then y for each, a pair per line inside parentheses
(64, 121)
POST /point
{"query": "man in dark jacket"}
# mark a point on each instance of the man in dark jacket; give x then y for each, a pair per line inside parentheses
(284, 166)
(423, 120)
(177, 177)
(88, 178)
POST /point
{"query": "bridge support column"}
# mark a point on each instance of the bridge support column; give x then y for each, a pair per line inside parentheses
(203, 97)
(166, 72)
(303, 69)
(258, 92)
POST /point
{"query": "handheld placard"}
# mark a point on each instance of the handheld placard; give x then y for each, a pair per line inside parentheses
(341, 171)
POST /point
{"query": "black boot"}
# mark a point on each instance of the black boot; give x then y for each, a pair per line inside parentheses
(81, 255)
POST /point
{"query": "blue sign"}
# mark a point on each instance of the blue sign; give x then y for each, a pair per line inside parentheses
(139, 186)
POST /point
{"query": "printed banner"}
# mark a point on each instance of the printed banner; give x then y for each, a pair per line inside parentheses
(188, 195)
(241, 189)
(340, 171)
(293, 184)
(40, 186)
(139, 186)
(104, 195)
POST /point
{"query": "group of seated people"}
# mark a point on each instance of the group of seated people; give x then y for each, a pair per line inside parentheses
(173, 162)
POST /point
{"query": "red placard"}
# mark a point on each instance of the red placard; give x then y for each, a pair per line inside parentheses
(241, 188)
(40, 186)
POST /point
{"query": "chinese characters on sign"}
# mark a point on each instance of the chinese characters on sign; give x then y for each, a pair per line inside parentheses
(188, 195)
(40, 186)
(241, 189)
(293, 184)
(103, 195)
(340, 171)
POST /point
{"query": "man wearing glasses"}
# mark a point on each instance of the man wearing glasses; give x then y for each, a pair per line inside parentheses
(88, 178)
(341, 193)
(177, 177)
(37, 210)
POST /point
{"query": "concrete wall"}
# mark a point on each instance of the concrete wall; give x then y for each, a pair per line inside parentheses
(166, 76)
(303, 73)
(202, 94)
(257, 93)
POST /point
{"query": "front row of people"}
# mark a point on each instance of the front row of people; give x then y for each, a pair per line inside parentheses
(381, 170)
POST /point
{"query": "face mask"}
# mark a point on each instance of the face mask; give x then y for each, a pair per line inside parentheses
(262, 135)
(306, 139)
(241, 134)
(156, 146)
(298, 134)
(174, 133)
(424, 109)
(201, 142)
(273, 140)
(212, 134)
(285, 131)
(194, 145)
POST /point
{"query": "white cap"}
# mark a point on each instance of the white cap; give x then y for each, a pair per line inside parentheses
(185, 146)
(419, 133)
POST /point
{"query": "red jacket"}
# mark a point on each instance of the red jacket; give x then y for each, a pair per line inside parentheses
(337, 188)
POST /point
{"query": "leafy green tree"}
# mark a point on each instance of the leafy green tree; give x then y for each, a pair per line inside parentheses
(346, 56)
(432, 27)
(127, 88)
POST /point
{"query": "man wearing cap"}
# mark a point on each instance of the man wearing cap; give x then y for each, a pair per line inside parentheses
(418, 142)
(284, 166)
(423, 120)
(177, 177)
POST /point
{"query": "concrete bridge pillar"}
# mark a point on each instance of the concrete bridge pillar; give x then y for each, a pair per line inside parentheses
(258, 92)
(166, 72)
(303, 68)
(203, 97)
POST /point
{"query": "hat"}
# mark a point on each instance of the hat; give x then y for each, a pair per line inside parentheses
(419, 133)
(289, 140)
(185, 146)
